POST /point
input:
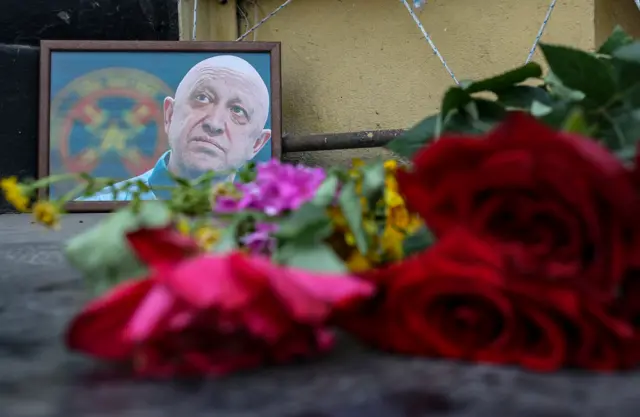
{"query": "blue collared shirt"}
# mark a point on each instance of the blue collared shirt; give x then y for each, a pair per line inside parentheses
(158, 176)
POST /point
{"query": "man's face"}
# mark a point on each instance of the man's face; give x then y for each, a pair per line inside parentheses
(215, 122)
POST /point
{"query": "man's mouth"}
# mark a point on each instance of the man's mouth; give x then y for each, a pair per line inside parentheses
(210, 142)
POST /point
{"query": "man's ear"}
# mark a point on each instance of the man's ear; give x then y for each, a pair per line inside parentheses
(261, 141)
(168, 113)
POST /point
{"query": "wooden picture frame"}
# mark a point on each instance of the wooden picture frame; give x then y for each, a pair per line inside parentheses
(70, 105)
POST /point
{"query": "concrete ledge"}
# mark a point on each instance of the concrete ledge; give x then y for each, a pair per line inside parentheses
(39, 292)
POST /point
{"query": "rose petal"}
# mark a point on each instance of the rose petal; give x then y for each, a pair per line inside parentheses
(161, 247)
(543, 341)
(99, 330)
(152, 314)
(207, 281)
(309, 296)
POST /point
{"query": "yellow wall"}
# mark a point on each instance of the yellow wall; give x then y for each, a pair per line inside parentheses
(609, 13)
(351, 65)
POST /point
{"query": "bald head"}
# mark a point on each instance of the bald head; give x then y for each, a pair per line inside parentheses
(216, 120)
(229, 65)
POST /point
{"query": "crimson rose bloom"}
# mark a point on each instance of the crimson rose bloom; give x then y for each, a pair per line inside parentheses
(457, 300)
(559, 205)
(209, 314)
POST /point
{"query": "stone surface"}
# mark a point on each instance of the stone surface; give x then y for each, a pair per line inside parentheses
(39, 292)
(28, 21)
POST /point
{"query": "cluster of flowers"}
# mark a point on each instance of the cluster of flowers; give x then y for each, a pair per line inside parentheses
(277, 188)
(536, 263)
(201, 313)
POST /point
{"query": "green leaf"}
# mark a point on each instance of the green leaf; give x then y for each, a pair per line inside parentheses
(482, 116)
(415, 138)
(626, 61)
(102, 253)
(630, 52)
(631, 96)
(539, 109)
(316, 258)
(576, 122)
(627, 74)
(457, 98)
(616, 40)
(247, 173)
(620, 128)
(373, 181)
(351, 206)
(507, 79)
(580, 70)
(554, 115)
(179, 180)
(229, 239)
(453, 99)
(488, 111)
(418, 242)
(327, 191)
(310, 221)
(522, 97)
(558, 90)
(627, 154)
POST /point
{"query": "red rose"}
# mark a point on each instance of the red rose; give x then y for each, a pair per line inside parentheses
(626, 308)
(209, 314)
(560, 206)
(456, 301)
(604, 341)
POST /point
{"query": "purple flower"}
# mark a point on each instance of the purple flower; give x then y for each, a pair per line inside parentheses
(260, 242)
(277, 188)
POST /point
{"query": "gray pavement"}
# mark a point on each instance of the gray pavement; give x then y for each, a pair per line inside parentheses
(39, 292)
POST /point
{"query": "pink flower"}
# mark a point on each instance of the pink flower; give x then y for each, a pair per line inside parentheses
(208, 314)
(277, 188)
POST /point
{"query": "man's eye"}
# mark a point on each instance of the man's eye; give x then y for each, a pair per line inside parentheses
(203, 98)
(239, 111)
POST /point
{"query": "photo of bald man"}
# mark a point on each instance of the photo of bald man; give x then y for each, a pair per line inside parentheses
(215, 122)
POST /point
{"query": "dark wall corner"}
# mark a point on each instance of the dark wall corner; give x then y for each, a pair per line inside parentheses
(26, 22)
(23, 23)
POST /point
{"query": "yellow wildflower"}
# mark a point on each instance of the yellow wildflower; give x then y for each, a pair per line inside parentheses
(357, 262)
(47, 213)
(400, 222)
(392, 243)
(390, 182)
(225, 189)
(337, 218)
(391, 165)
(183, 226)
(357, 163)
(14, 193)
(207, 236)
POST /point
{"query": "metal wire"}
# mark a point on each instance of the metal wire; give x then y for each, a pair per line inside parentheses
(542, 27)
(195, 19)
(267, 17)
(428, 38)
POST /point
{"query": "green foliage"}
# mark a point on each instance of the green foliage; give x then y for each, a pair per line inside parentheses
(594, 94)
(102, 253)
(418, 242)
(302, 234)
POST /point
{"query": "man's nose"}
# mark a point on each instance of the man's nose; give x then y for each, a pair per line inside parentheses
(213, 125)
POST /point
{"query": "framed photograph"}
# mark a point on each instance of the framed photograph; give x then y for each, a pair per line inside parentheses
(139, 112)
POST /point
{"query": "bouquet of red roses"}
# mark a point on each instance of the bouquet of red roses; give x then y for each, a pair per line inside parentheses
(510, 238)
